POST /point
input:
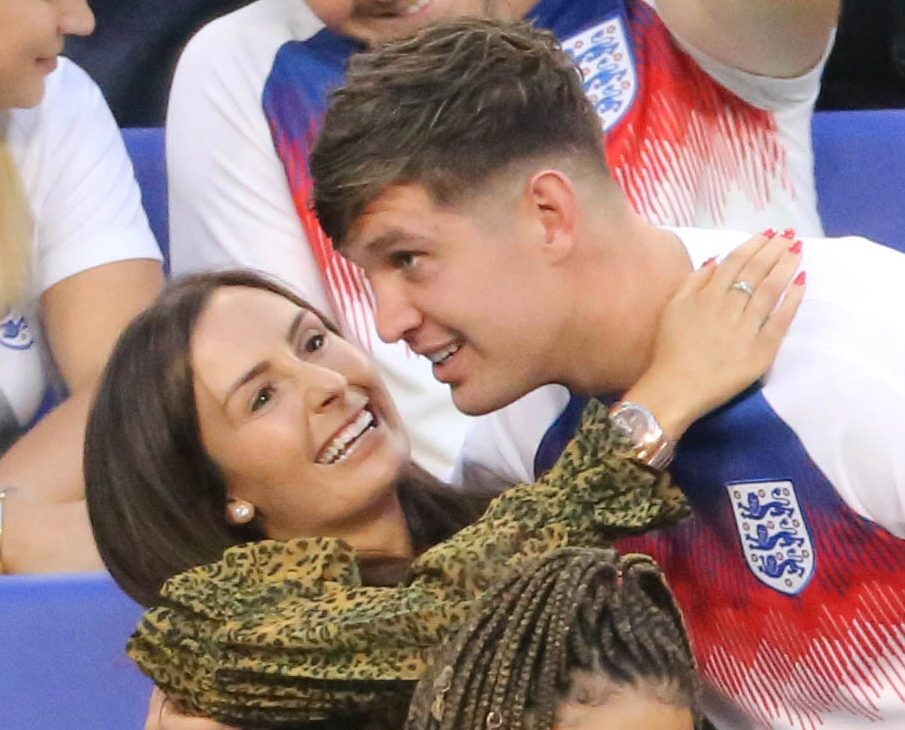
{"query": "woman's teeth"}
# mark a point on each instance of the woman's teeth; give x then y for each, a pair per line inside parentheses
(442, 355)
(346, 440)
(415, 7)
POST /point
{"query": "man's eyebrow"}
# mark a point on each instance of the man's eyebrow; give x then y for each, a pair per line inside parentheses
(264, 365)
(376, 246)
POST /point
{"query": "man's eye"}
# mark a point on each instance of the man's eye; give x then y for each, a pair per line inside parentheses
(404, 260)
(262, 398)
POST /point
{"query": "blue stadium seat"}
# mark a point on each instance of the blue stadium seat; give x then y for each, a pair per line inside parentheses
(146, 148)
(62, 664)
(860, 169)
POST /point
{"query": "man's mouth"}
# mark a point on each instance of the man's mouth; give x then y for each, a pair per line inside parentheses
(345, 441)
(439, 357)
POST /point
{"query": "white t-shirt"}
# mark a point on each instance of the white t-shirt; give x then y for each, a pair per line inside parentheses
(231, 204)
(86, 206)
(791, 573)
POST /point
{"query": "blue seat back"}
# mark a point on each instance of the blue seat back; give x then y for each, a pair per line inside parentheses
(62, 664)
(146, 148)
(860, 171)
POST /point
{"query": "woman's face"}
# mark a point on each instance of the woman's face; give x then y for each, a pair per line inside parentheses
(595, 702)
(296, 417)
(31, 37)
(380, 20)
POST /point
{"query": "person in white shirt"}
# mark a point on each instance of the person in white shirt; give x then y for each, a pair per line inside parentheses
(78, 260)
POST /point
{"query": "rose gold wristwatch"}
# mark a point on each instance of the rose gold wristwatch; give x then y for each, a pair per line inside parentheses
(648, 444)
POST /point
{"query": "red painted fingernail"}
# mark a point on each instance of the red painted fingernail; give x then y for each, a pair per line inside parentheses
(789, 233)
(770, 233)
(708, 262)
(796, 247)
(801, 278)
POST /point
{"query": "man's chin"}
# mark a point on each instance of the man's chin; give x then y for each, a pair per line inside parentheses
(476, 401)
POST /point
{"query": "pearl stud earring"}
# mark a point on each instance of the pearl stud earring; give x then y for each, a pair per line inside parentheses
(241, 512)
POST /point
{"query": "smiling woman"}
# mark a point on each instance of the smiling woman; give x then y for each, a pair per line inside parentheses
(257, 420)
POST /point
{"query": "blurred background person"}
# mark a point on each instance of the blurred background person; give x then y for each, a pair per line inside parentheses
(77, 261)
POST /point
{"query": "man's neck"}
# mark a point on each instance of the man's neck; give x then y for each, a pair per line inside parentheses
(618, 299)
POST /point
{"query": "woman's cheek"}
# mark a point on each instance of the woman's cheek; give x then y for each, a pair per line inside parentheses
(332, 12)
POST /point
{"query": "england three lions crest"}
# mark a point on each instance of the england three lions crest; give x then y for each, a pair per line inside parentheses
(604, 57)
(773, 533)
(14, 332)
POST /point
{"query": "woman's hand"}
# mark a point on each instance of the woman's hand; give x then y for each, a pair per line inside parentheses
(163, 715)
(721, 331)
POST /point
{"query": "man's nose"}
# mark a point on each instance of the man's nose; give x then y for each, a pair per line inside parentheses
(396, 315)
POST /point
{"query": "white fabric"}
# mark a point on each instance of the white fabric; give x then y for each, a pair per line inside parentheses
(230, 204)
(229, 201)
(86, 205)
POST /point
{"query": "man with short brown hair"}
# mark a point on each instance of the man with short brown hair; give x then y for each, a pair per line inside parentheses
(460, 170)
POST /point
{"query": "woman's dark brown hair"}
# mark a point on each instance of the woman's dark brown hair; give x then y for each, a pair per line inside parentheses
(156, 500)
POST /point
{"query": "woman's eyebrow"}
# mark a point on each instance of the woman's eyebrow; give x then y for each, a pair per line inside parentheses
(295, 326)
(264, 365)
(257, 370)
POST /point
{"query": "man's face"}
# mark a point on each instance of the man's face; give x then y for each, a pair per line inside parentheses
(468, 287)
(381, 20)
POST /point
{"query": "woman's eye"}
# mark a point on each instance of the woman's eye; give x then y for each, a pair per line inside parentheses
(314, 342)
(262, 398)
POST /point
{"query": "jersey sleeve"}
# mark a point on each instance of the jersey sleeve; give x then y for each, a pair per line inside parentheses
(590, 496)
(765, 92)
(87, 203)
(229, 199)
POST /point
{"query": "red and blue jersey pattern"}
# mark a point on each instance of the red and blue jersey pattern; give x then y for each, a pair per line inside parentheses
(684, 140)
(294, 102)
(679, 144)
(828, 653)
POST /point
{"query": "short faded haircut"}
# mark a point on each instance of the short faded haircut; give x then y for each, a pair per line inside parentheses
(448, 109)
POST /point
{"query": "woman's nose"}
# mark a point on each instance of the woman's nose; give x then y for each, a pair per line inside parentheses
(324, 387)
(76, 18)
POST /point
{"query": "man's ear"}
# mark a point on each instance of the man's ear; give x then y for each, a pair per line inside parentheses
(556, 207)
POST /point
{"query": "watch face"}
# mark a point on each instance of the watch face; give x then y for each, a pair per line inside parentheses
(648, 442)
(634, 423)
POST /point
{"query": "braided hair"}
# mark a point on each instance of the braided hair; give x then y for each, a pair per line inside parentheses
(575, 609)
